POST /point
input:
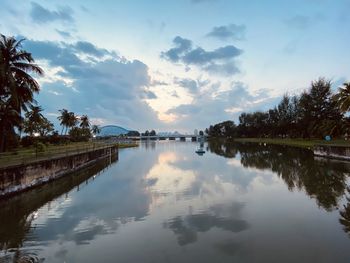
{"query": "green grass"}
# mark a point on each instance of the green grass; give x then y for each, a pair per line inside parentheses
(127, 145)
(29, 154)
(303, 143)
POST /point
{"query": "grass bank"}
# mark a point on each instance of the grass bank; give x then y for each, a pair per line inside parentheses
(25, 155)
(302, 143)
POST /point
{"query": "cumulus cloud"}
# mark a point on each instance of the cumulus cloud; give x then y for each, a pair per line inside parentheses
(41, 15)
(207, 109)
(182, 47)
(193, 86)
(220, 60)
(64, 34)
(229, 32)
(104, 86)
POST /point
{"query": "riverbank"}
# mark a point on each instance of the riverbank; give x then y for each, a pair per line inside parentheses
(31, 154)
(301, 143)
(18, 178)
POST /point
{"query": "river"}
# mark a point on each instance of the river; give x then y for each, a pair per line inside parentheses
(162, 202)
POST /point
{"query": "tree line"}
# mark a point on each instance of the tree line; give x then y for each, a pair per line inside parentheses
(315, 113)
(19, 111)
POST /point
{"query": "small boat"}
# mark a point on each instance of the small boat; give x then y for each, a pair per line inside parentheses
(200, 151)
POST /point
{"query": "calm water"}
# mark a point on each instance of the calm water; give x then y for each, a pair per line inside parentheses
(162, 202)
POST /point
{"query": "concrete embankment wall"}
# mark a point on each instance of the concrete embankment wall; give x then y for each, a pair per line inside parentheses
(337, 152)
(19, 178)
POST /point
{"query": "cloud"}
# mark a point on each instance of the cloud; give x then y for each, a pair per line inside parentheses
(41, 15)
(182, 46)
(104, 86)
(186, 228)
(90, 49)
(193, 86)
(206, 109)
(220, 60)
(229, 32)
(64, 34)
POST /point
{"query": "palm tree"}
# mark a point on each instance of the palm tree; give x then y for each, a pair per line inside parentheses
(343, 97)
(9, 118)
(34, 120)
(72, 120)
(16, 84)
(95, 129)
(64, 119)
(84, 122)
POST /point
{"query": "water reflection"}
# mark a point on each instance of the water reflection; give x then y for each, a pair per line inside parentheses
(219, 216)
(18, 213)
(322, 179)
(345, 214)
(164, 203)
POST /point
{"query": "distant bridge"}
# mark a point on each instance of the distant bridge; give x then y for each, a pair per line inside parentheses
(172, 137)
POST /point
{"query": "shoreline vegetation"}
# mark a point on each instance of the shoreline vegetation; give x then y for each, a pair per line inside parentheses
(298, 142)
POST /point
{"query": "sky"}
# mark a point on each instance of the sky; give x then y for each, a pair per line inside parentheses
(181, 64)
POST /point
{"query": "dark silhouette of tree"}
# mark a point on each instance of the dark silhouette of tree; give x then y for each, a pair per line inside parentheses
(313, 114)
(64, 120)
(343, 97)
(16, 84)
(35, 122)
(72, 120)
(84, 122)
(95, 129)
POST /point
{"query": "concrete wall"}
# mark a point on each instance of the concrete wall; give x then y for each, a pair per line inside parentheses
(337, 152)
(22, 177)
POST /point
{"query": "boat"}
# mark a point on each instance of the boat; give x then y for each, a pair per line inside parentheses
(200, 150)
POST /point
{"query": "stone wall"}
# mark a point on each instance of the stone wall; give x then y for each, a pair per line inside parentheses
(338, 152)
(22, 177)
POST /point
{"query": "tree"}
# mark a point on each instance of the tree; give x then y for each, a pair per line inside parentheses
(79, 134)
(16, 84)
(343, 97)
(46, 127)
(95, 129)
(72, 120)
(152, 133)
(133, 133)
(35, 122)
(324, 112)
(64, 119)
(314, 114)
(84, 122)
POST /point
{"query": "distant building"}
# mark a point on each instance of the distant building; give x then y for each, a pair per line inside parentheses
(112, 130)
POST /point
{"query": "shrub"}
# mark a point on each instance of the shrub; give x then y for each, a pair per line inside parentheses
(27, 141)
(40, 147)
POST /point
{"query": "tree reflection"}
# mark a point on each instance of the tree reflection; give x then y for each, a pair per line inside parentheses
(222, 148)
(345, 214)
(322, 179)
(18, 213)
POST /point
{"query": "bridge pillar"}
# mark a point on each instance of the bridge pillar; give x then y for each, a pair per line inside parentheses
(194, 138)
(171, 138)
(182, 139)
